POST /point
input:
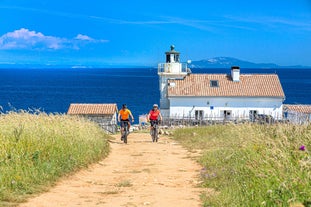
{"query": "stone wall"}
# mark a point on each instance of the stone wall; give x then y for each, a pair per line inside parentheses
(107, 122)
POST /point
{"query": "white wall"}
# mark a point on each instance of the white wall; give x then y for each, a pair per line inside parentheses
(214, 106)
(163, 82)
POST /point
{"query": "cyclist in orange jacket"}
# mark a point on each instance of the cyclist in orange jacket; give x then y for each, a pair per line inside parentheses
(123, 117)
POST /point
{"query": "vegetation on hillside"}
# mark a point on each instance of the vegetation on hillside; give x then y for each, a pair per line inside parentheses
(253, 165)
(37, 149)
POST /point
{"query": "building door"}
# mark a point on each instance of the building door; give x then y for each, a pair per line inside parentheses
(199, 114)
(252, 115)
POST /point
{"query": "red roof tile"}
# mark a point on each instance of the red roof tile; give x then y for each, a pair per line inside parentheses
(250, 85)
(92, 109)
(306, 109)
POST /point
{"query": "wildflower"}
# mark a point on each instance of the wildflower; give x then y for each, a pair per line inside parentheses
(203, 172)
(302, 148)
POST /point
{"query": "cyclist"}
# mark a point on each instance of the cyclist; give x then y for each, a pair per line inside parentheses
(123, 118)
(154, 116)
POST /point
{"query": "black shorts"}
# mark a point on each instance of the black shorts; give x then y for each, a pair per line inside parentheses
(124, 123)
(153, 122)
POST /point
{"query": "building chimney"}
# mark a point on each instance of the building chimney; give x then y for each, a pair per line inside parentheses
(235, 73)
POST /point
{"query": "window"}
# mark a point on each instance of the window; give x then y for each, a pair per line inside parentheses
(199, 114)
(167, 58)
(227, 114)
(214, 83)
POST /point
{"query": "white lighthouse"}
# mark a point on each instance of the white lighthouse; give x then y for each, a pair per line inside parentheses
(171, 69)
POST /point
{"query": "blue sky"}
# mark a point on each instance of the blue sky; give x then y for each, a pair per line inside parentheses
(133, 32)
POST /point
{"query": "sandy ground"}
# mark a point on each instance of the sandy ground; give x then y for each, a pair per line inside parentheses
(140, 173)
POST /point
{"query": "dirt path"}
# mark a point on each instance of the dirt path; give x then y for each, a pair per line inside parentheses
(140, 173)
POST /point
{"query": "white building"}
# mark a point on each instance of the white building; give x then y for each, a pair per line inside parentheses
(217, 96)
(297, 113)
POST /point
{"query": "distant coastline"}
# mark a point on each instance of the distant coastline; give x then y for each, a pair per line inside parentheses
(216, 62)
(38, 66)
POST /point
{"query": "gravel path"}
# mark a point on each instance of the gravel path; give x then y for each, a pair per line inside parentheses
(140, 173)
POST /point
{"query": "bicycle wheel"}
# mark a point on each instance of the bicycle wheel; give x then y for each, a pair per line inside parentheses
(122, 134)
(153, 134)
(125, 135)
(156, 132)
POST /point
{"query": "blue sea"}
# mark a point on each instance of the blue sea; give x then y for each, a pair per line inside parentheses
(52, 90)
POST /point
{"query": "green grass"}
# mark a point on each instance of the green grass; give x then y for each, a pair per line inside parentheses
(37, 149)
(252, 165)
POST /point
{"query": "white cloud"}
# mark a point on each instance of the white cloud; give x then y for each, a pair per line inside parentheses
(32, 40)
(83, 37)
(89, 39)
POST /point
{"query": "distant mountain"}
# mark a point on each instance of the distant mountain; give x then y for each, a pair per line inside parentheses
(227, 62)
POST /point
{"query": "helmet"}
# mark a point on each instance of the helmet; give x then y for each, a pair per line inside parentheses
(155, 105)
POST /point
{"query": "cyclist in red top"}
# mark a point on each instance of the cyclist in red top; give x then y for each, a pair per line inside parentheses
(154, 116)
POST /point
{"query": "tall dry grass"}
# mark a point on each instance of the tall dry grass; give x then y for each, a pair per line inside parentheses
(253, 165)
(37, 149)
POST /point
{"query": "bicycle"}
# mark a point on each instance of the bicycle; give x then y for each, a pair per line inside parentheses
(154, 130)
(125, 131)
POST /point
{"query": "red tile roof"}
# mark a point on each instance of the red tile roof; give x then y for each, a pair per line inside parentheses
(306, 109)
(92, 109)
(250, 85)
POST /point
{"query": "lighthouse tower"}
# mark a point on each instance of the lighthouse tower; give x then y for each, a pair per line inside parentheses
(171, 69)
